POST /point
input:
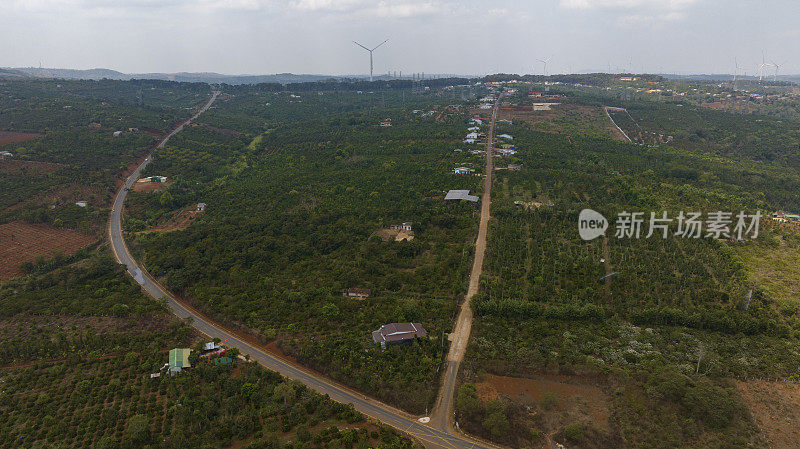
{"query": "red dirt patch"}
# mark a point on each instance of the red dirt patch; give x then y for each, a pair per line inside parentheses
(14, 137)
(573, 399)
(13, 165)
(178, 221)
(718, 105)
(148, 187)
(775, 406)
(23, 242)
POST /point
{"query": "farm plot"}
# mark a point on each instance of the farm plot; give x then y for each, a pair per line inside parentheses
(11, 165)
(7, 137)
(23, 242)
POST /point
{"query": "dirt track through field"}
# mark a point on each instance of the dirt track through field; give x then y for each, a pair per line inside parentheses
(442, 416)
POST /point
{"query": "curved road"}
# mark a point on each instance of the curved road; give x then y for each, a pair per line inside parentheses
(431, 437)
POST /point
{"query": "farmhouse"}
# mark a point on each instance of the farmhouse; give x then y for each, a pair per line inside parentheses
(178, 359)
(357, 293)
(154, 179)
(210, 346)
(405, 226)
(398, 333)
(456, 195)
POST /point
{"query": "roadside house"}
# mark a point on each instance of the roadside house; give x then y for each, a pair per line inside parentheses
(398, 333)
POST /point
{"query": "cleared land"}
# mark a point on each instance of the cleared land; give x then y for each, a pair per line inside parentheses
(775, 406)
(7, 137)
(12, 165)
(178, 221)
(564, 118)
(23, 242)
(148, 187)
(561, 400)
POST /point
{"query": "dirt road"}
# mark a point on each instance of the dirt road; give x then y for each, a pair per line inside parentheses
(432, 438)
(442, 416)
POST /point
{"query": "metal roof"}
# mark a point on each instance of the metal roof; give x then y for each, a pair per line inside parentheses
(394, 332)
(460, 195)
(179, 357)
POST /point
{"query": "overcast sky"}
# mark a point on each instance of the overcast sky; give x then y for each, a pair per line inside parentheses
(431, 36)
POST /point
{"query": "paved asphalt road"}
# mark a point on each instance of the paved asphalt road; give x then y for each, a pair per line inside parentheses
(443, 413)
(430, 437)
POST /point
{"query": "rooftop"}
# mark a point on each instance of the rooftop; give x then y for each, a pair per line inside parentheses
(460, 195)
(395, 332)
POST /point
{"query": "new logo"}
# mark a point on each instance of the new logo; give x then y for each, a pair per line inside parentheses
(591, 224)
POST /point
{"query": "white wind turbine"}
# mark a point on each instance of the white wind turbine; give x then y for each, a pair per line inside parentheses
(370, 55)
(777, 67)
(544, 62)
(764, 64)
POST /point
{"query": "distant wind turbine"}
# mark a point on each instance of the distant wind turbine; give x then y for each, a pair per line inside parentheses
(370, 55)
(777, 67)
(544, 62)
(764, 64)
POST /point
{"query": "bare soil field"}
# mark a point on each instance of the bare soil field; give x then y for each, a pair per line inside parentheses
(7, 137)
(564, 118)
(178, 221)
(395, 234)
(570, 399)
(13, 165)
(775, 406)
(148, 187)
(23, 242)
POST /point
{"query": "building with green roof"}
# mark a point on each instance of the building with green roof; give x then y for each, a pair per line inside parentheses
(179, 358)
